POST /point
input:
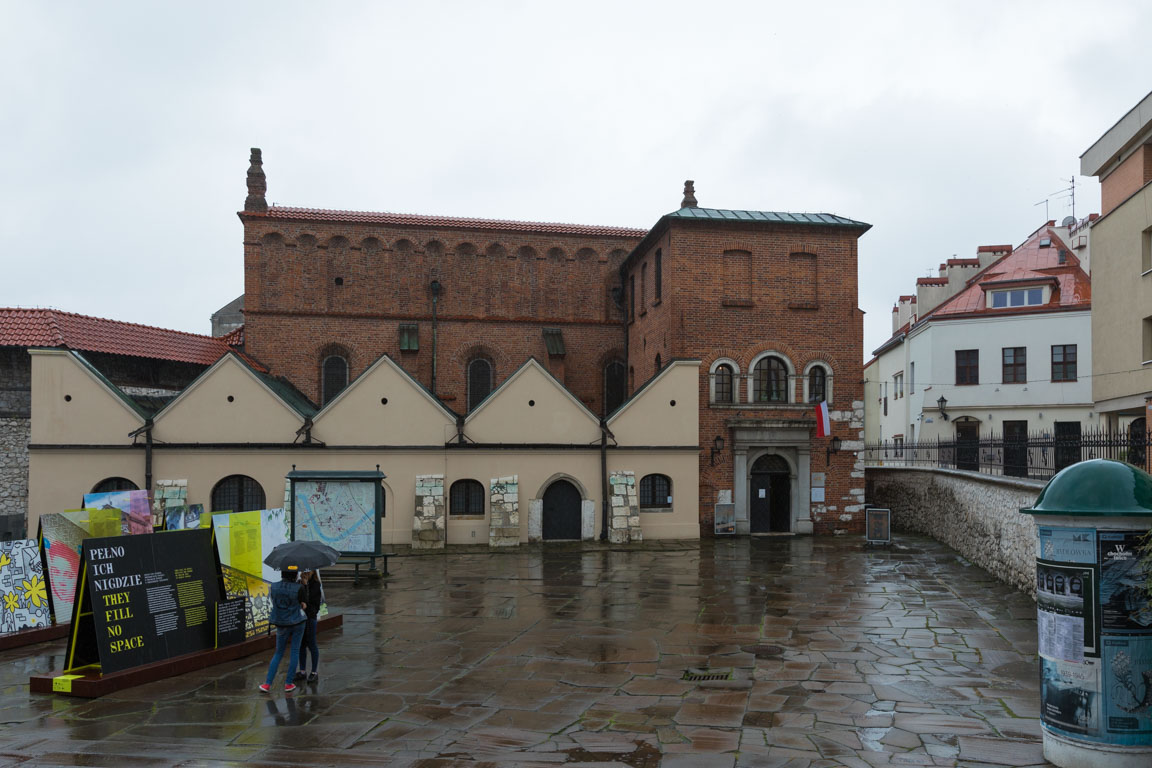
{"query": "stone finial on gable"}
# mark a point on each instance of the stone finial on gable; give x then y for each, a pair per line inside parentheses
(257, 184)
(689, 200)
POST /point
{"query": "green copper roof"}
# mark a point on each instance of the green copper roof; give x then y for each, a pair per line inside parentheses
(774, 217)
(1099, 488)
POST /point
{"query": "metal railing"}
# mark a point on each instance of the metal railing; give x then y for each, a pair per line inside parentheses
(1037, 455)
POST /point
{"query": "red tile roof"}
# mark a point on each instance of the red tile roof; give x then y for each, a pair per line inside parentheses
(994, 249)
(53, 328)
(278, 212)
(1072, 288)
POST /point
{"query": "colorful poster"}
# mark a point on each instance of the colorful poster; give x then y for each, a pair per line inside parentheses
(340, 514)
(1066, 545)
(244, 539)
(186, 518)
(1128, 686)
(1065, 611)
(257, 598)
(1123, 605)
(23, 592)
(1070, 695)
(134, 506)
(168, 499)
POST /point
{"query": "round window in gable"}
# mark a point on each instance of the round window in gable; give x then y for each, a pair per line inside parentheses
(531, 403)
(383, 401)
(339, 281)
(231, 399)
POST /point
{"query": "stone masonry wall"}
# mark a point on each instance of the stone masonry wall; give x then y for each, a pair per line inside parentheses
(14, 434)
(624, 511)
(428, 531)
(504, 522)
(977, 515)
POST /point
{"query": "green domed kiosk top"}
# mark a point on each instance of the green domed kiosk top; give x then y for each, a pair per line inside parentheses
(1099, 488)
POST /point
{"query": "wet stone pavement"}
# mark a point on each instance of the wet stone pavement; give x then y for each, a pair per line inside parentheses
(804, 651)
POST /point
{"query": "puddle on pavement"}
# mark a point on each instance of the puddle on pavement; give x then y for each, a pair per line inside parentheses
(644, 756)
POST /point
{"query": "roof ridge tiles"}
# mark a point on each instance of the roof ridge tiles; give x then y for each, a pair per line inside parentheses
(388, 217)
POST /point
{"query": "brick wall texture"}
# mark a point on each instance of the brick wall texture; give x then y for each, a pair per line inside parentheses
(315, 288)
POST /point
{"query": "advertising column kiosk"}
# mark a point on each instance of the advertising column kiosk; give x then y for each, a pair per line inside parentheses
(1093, 615)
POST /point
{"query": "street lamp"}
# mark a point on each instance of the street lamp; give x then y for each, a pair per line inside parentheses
(717, 448)
(943, 403)
(833, 447)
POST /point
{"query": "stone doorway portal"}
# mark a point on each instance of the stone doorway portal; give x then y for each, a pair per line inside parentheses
(561, 514)
(770, 508)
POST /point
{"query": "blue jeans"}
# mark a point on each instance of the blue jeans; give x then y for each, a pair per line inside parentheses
(284, 635)
(309, 646)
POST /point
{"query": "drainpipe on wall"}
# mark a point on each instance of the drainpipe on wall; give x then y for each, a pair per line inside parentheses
(604, 489)
(435, 287)
(148, 454)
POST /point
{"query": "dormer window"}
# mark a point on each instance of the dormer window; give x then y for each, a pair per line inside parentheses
(1017, 297)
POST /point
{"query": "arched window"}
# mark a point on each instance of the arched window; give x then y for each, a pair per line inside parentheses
(659, 364)
(109, 484)
(335, 378)
(817, 384)
(722, 384)
(466, 497)
(614, 385)
(655, 492)
(770, 381)
(479, 381)
(237, 493)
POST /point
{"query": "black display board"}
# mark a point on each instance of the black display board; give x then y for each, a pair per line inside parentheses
(144, 598)
(230, 622)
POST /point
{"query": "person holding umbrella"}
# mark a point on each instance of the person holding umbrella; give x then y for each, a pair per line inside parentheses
(289, 599)
(315, 592)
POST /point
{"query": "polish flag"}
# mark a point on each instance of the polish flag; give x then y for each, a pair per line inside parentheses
(823, 425)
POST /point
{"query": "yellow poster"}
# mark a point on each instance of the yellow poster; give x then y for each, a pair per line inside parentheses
(103, 522)
(244, 542)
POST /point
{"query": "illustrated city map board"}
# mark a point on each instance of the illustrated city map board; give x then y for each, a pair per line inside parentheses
(340, 509)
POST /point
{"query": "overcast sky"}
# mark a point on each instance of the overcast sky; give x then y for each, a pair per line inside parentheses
(125, 127)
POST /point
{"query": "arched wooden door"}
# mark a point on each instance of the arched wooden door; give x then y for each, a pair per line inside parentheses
(770, 505)
(561, 512)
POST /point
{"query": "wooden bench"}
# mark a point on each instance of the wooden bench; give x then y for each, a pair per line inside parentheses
(357, 561)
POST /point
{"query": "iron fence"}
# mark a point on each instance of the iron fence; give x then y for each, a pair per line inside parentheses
(1036, 455)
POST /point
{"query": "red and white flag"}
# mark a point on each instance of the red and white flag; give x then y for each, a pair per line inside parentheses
(823, 425)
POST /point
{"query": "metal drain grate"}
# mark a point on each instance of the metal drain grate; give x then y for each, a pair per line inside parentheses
(706, 675)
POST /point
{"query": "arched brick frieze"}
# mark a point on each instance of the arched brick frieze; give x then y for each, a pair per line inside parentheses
(403, 246)
(434, 248)
(466, 249)
(497, 251)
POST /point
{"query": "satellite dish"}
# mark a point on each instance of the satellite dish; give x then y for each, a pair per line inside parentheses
(1069, 221)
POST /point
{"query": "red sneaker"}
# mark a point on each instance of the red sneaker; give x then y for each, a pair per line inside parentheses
(265, 687)
(289, 687)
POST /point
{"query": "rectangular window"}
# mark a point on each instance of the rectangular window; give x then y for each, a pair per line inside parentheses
(1063, 362)
(1018, 297)
(911, 378)
(967, 366)
(1015, 361)
(898, 446)
(554, 342)
(898, 386)
(1146, 250)
(632, 297)
(409, 337)
(659, 275)
(1147, 340)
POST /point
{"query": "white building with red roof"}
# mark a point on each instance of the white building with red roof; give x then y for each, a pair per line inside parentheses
(1006, 350)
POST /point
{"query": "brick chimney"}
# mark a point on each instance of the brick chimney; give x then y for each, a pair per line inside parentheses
(689, 200)
(257, 184)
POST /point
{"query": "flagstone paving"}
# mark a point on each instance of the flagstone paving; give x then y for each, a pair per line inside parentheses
(829, 654)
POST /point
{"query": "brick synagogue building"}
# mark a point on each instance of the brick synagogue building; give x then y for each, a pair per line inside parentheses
(514, 381)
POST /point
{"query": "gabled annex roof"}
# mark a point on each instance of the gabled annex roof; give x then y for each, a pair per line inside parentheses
(286, 213)
(290, 397)
(53, 328)
(532, 364)
(386, 360)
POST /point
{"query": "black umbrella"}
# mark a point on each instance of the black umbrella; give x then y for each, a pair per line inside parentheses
(302, 555)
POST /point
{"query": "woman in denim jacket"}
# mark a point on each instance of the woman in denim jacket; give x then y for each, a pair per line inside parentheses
(288, 599)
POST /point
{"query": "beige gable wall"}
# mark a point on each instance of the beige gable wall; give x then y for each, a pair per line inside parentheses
(58, 479)
(203, 414)
(556, 417)
(410, 417)
(94, 415)
(651, 419)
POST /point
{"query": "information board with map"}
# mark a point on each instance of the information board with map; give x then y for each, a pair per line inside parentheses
(342, 510)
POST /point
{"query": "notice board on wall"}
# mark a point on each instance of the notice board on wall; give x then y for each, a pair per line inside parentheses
(340, 509)
(142, 599)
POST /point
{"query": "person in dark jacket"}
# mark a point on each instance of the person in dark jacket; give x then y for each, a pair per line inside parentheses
(288, 600)
(315, 596)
